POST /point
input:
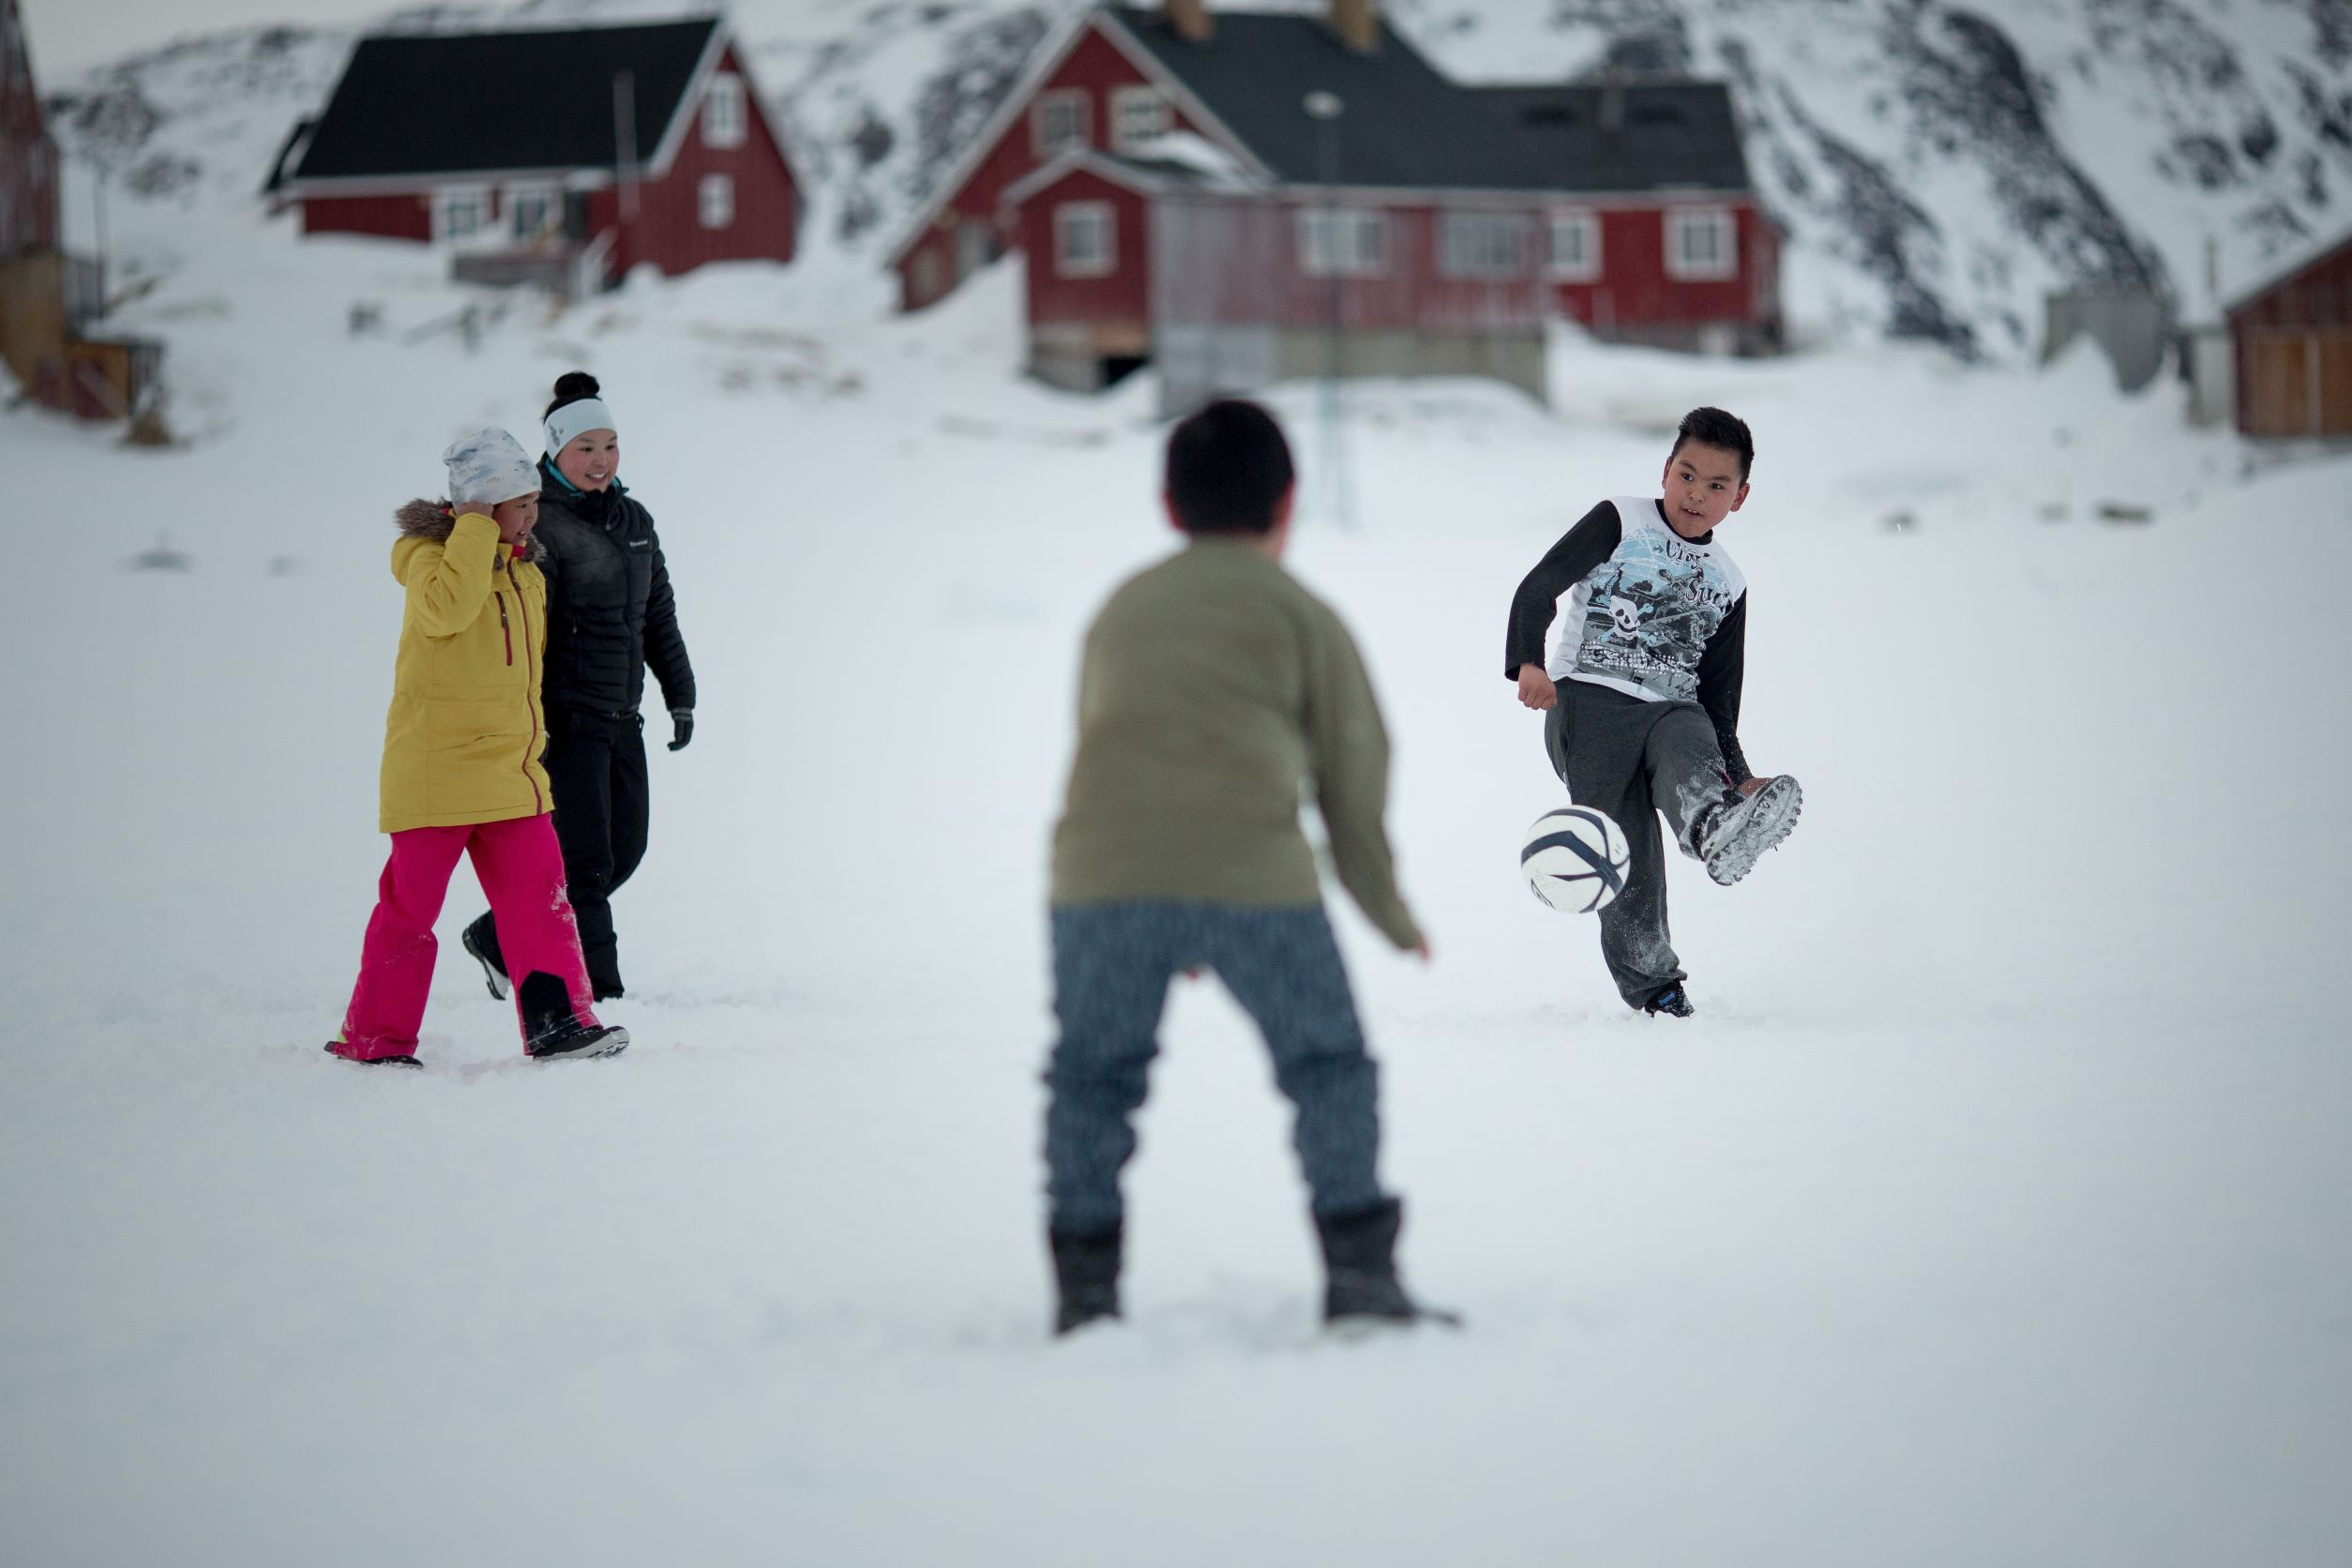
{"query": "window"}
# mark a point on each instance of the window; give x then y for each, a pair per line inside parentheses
(715, 200)
(461, 213)
(1573, 254)
(1342, 243)
(1085, 239)
(1701, 244)
(975, 246)
(1059, 121)
(534, 211)
(726, 117)
(1137, 115)
(1482, 244)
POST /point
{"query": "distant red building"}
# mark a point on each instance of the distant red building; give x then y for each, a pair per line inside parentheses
(580, 152)
(1242, 197)
(48, 297)
(28, 156)
(2291, 339)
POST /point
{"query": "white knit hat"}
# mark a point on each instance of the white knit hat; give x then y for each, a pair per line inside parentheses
(488, 466)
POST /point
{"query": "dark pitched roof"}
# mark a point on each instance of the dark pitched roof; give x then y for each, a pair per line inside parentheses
(1406, 125)
(1666, 131)
(457, 103)
(1403, 124)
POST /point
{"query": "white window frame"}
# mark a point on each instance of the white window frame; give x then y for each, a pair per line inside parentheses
(726, 110)
(1073, 218)
(1681, 223)
(1080, 103)
(1342, 242)
(715, 200)
(1584, 265)
(1133, 104)
(515, 198)
(1468, 247)
(474, 202)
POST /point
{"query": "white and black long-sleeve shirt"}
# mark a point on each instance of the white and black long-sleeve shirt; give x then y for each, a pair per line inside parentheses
(1650, 614)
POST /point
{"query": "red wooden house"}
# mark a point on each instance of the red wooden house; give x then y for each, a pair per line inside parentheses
(2291, 339)
(579, 153)
(49, 297)
(1241, 197)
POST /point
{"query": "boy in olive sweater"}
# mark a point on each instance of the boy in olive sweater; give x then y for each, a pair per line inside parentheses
(1213, 688)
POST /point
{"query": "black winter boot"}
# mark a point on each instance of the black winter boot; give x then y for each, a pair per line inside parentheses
(1674, 1002)
(481, 940)
(555, 1030)
(1085, 1276)
(1359, 1264)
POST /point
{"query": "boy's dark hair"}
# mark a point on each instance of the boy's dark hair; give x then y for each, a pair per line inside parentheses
(1227, 469)
(572, 386)
(1712, 427)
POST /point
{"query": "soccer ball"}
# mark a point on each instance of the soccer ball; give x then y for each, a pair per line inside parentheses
(1576, 859)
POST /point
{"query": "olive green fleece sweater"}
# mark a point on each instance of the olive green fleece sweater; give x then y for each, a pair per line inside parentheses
(1213, 688)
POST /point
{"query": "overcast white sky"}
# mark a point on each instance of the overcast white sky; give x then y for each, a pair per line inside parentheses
(67, 35)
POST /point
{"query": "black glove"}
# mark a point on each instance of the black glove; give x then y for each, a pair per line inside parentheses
(681, 728)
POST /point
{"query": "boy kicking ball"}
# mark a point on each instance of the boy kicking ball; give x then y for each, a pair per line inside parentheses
(1641, 694)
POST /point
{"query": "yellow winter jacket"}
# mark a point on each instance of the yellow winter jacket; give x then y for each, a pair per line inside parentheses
(461, 743)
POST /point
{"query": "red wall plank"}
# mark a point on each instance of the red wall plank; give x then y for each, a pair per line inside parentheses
(407, 217)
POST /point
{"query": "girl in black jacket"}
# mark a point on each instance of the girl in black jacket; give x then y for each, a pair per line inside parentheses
(611, 616)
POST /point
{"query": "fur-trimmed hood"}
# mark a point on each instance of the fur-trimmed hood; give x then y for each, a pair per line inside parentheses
(422, 519)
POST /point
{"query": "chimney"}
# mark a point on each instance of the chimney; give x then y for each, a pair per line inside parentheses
(1358, 23)
(1190, 21)
(1613, 100)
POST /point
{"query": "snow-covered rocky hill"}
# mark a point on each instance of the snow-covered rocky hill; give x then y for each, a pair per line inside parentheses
(1940, 166)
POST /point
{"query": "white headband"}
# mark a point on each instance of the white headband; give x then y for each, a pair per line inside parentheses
(569, 423)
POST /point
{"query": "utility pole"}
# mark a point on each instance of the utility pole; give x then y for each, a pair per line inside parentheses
(98, 305)
(625, 142)
(1325, 108)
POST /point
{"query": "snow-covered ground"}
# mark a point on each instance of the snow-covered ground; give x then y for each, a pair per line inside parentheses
(1993, 1210)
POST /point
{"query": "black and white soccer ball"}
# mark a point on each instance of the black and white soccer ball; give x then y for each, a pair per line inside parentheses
(1576, 859)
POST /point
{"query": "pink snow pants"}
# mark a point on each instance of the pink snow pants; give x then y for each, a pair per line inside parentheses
(522, 871)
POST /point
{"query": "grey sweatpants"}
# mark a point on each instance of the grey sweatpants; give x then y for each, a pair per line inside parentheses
(1111, 968)
(1633, 758)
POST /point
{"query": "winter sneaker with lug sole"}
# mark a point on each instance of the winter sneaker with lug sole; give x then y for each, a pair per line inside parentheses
(1742, 828)
(1674, 1002)
(372, 1061)
(1362, 1292)
(556, 1032)
(493, 972)
(578, 1040)
(1085, 1279)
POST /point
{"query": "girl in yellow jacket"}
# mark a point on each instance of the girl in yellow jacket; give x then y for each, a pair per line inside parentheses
(461, 771)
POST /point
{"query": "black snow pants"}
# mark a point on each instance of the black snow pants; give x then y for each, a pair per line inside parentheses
(1632, 759)
(597, 763)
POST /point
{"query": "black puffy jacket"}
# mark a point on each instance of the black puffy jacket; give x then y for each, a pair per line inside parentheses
(611, 613)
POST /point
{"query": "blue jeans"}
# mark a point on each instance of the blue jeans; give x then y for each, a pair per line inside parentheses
(1111, 967)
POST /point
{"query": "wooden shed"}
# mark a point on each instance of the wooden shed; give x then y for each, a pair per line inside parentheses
(50, 297)
(2292, 338)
